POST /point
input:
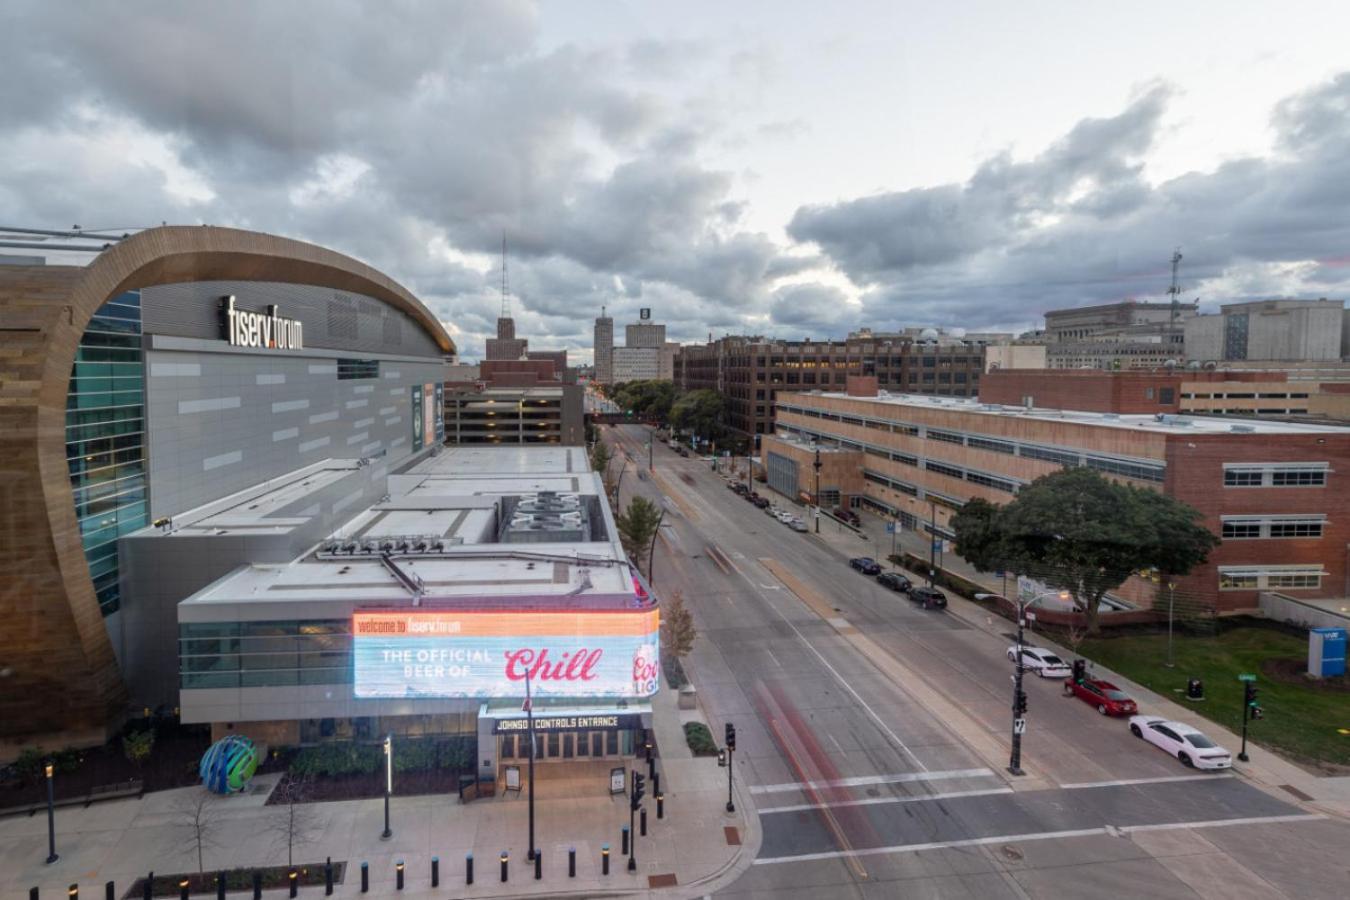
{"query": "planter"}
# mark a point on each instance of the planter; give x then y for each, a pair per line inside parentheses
(688, 697)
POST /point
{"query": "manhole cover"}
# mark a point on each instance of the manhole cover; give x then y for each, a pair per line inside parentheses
(1011, 853)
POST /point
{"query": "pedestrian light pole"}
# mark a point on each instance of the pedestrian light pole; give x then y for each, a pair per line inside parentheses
(1171, 600)
(1019, 705)
(649, 455)
(388, 783)
(529, 726)
(816, 496)
(51, 816)
(932, 542)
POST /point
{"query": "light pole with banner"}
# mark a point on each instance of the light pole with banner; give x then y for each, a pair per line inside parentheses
(529, 726)
(388, 783)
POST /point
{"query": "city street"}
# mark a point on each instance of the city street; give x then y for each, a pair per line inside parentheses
(873, 734)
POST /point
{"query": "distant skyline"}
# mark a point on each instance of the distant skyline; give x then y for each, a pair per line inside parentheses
(786, 168)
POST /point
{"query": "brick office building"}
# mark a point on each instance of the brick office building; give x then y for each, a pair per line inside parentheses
(1269, 489)
(751, 371)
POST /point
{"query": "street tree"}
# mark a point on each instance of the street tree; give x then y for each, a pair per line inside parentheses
(1083, 533)
(701, 412)
(196, 815)
(677, 627)
(600, 457)
(637, 527)
(293, 821)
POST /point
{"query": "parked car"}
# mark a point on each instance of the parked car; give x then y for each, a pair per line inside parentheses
(1041, 661)
(929, 597)
(784, 516)
(895, 581)
(847, 515)
(751, 496)
(1182, 741)
(762, 502)
(1105, 696)
(738, 486)
(797, 525)
(866, 565)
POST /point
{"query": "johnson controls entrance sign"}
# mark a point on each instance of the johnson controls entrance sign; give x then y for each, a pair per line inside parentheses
(485, 654)
(267, 330)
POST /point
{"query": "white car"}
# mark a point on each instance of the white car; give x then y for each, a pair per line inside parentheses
(784, 516)
(1182, 741)
(1041, 661)
(797, 525)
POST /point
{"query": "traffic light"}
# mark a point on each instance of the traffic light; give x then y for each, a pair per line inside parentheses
(731, 736)
(1020, 703)
(1079, 671)
(722, 758)
(639, 789)
(1252, 706)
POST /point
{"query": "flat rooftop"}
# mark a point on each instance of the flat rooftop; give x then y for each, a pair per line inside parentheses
(1165, 424)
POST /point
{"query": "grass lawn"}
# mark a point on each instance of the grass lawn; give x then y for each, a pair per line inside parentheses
(1301, 721)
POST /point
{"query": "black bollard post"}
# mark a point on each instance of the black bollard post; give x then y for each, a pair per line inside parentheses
(257, 885)
(293, 877)
(656, 782)
(538, 864)
(604, 860)
(146, 889)
(183, 889)
(571, 862)
(220, 886)
(435, 871)
(32, 893)
(642, 822)
(73, 892)
(505, 857)
(468, 868)
(328, 877)
(398, 875)
(623, 848)
(109, 892)
(660, 805)
(365, 878)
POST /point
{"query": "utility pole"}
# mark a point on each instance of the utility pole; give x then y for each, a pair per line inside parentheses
(816, 496)
(529, 719)
(1019, 705)
(1175, 290)
(932, 541)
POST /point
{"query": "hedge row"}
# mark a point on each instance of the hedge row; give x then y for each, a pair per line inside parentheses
(410, 755)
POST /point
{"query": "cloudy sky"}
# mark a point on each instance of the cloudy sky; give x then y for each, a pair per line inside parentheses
(787, 168)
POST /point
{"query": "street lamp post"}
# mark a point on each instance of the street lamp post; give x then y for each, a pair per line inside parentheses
(51, 815)
(388, 783)
(651, 553)
(1171, 599)
(529, 717)
(649, 455)
(932, 540)
(895, 527)
(619, 483)
(816, 496)
(1019, 705)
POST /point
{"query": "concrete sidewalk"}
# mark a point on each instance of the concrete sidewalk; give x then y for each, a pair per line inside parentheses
(1328, 794)
(122, 840)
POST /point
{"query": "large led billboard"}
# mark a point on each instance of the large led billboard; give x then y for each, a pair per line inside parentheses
(484, 654)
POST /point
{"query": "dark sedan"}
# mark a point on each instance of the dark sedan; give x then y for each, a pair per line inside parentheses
(895, 581)
(866, 565)
(931, 598)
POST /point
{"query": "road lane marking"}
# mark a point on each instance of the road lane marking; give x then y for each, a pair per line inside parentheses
(862, 780)
(1103, 831)
(877, 801)
(1125, 781)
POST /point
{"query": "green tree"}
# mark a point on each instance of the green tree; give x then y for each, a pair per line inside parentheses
(677, 627)
(649, 398)
(700, 412)
(637, 527)
(600, 457)
(1083, 533)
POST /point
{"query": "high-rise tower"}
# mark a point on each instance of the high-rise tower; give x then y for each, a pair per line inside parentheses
(604, 348)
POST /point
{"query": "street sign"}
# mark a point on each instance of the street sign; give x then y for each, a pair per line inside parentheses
(1019, 726)
(890, 528)
(1245, 677)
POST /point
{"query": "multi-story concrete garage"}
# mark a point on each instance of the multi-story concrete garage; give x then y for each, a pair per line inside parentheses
(185, 368)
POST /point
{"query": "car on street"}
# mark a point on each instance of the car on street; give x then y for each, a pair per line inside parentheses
(1041, 661)
(737, 486)
(866, 565)
(928, 597)
(894, 581)
(761, 502)
(1182, 741)
(1108, 699)
(784, 516)
(750, 495)
(847, 515)
(797, 525)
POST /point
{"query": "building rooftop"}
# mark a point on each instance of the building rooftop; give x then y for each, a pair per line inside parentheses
(1163, 423)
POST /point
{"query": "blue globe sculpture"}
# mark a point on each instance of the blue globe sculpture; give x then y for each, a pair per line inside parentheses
(228, 764)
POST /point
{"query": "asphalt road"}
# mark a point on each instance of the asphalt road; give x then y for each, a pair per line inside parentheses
(862, 791)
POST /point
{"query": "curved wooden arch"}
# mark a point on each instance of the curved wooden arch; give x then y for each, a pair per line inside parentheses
(58, 672)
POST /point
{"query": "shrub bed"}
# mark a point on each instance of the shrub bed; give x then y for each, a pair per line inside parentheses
(235, 880)
(700, 739)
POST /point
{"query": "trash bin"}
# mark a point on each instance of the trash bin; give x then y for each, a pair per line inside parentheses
(1195, 689)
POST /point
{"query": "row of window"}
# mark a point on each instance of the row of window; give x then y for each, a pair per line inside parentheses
(357, 369)
(1250, 579)
(1292, 475)
(1256, 396)
(1254, 527)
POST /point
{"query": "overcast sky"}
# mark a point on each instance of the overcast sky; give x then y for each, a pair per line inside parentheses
(787, 168)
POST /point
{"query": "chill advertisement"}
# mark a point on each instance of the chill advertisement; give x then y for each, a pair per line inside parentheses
(481, 655)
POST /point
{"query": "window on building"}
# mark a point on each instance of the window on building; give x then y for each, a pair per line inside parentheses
(1294, 580)
(829, 496)
(1238, 581)
(1241, 529)
(357, 369)
(1167, 395)
(998, 484)
(1243, 477)
(1298, 477)
(990, 444)
(1300, 528)
(948, 437)
(943, 469)
(1049, 454)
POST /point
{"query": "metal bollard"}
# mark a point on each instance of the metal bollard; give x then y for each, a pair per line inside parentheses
(109, 892)
(435, 871)
(398, 875)
(183, 889)
(468, 868)
(604, 860)
(505, 857)
(365, 878)
(538, 864)
(146, 889)
(257, 886)
(328, 877)
(656, 783)
(642, 822)
(293, 877)
(624, 846)
(32, 893)
(660, 805)
(73, 892)
(571, 862)
(220, 886)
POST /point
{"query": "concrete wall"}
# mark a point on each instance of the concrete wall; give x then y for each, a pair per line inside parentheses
(1287, 609)
(1204, 338)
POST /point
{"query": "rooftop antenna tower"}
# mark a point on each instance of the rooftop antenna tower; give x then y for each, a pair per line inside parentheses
(506, 301)
(1175, 290)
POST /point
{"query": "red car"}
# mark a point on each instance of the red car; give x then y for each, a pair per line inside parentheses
(1109, 699)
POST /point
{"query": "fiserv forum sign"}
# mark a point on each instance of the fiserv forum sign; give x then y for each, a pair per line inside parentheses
(489, 653)
(268, 330)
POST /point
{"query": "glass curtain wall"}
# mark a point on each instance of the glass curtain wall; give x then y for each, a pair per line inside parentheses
(105, 438)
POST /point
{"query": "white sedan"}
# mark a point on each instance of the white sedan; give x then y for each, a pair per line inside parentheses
(1182, 741)
(1041, 661)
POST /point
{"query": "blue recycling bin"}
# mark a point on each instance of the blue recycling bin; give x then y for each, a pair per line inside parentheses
(1326, 652)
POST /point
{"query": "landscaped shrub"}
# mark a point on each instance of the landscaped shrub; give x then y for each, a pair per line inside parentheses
(136, 745)
(343, 758)
(456, 753)
(699, 738)
(414, 755)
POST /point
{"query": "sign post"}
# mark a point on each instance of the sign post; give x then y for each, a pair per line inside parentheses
(529, 717)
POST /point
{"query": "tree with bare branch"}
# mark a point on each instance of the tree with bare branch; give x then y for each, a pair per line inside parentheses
(294, 822)
(196, 814)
